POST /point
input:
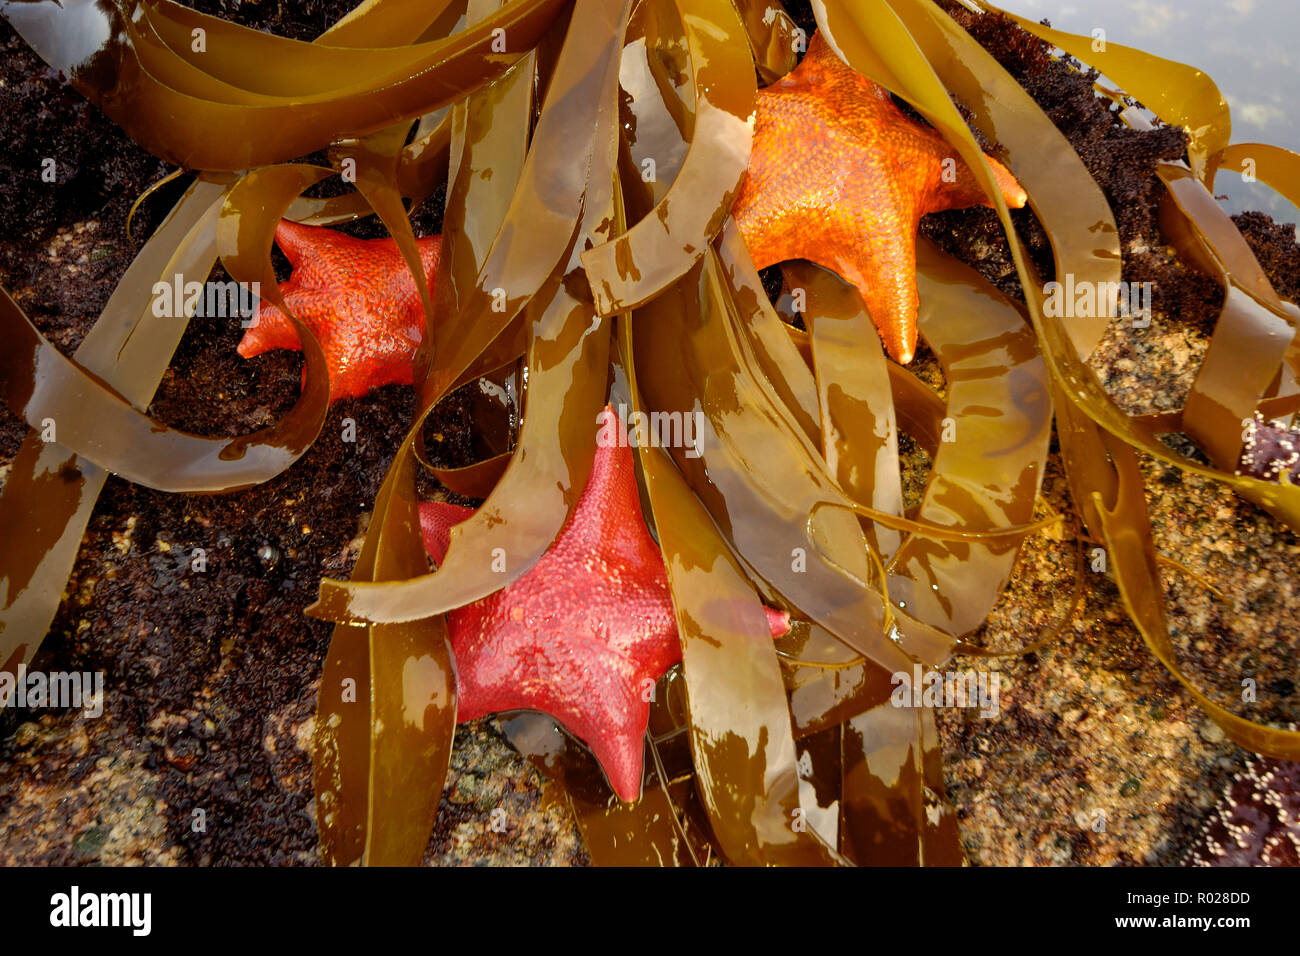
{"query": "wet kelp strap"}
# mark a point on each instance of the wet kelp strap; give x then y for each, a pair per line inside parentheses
(50, 492)
(744, 758)
(41, 385)
(207, 106)
(1098, 439)
(364, 770)
(568, 351)
(631, 268)
(1253, 334)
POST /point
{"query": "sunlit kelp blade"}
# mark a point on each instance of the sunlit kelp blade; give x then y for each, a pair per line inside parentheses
(774, 40)
(1275, 167)
(129, 348)
(567, 362)
(341, 92)
(745, 759)
(101, 425)
(683, 350)
(1079, 386)
(386, 711)
(408, 673)
(629, 269)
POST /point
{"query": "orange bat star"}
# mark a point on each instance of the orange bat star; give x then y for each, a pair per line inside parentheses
(840, 176)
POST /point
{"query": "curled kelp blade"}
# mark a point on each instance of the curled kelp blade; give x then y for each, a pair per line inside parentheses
(412, 708)
(1105, 467)
(668, 240)
(47, 498)
(1150, 75)
(990, 464)
(1253, 333)
(492, 406)
(540, 224)
(488, 147)
(568, 360)
(685, 355)
(994, 430)
(407, 675)
(774, 40)
(1273, 166)
(178, 106)
(745, 757)
(858, 426)
(100, 424)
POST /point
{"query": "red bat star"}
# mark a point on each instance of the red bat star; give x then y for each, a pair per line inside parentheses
(840, 176)
(359, 300)
(585, 633)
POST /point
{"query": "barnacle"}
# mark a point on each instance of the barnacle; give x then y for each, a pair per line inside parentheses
(563, 266)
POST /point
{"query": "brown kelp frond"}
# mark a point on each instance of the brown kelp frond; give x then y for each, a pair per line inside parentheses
(100, 424)
(592, 152)
(204, 93)
(128, 349)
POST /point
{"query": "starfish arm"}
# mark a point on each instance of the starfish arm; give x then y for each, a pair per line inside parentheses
(622, 757)
(778, 622)
(297, 242)
(271, 328)
(841, 176)
(884, 272)
(437, 518)
(964, 191)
